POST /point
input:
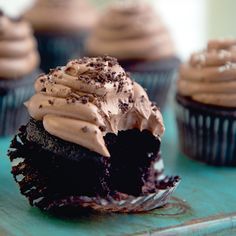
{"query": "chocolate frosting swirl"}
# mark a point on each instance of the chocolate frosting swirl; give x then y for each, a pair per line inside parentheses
(66, 16)
(89, 98)
(210, 76)
(131, 30)
(18, 53)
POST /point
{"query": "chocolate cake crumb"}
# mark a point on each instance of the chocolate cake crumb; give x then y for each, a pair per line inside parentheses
(85, 129)
(154, 109)
(124, 107)
(50, 102)
(84, 99)
(42, 80)
(120, 87)
(131, 100)
(102, 128)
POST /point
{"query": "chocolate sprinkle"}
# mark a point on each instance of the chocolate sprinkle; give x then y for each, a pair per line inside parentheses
(85, 129)
(50, 102)
(124, 107)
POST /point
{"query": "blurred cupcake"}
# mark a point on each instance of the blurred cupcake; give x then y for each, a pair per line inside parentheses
(60, 27)
(206, 104)
(18, 69)
(93, 141)
(133, 32)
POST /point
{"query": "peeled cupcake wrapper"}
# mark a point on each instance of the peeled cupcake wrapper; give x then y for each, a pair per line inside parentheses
(32, 186)
(207, 133)
(129, 204)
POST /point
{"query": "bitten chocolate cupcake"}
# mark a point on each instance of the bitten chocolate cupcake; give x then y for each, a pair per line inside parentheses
(60, 28)
(133, 32)
(93, 141)
(206, 105)
(18, 68)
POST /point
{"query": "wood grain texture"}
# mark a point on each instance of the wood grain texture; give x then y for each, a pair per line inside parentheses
(204, 204)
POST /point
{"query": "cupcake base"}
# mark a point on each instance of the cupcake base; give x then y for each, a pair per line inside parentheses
(53, 173)
(155, 76)
(13, 93)
(58, 49)
(207, 133)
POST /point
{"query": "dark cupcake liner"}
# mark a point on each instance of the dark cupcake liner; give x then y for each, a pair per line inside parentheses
(157, 85)
(57, 50)
(156, 77)
(122, 203)
(12, 97)
(30, 182)
(207, 133)
(34, 185)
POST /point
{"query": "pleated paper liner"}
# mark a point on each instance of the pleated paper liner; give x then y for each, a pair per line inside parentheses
(207, 133)
(124, 203)
(56, 50)
(156, 77)
(34, 186)
(156, 84)
(12, 96)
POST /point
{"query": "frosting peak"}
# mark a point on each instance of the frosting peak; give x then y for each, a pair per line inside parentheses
(18, 53)
(210, 75)
(131, 30)
(90, 97)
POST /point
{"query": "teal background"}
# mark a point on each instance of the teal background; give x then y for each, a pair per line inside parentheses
(204, 203)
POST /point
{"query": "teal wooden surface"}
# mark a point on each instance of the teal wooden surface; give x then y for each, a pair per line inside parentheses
(204, 203)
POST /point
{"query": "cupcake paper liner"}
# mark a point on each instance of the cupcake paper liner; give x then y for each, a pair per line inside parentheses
(157, 85)
(12, 110)
(57, 50)
(34, 186)
(126, 203)
(156, 77)
(207, 133)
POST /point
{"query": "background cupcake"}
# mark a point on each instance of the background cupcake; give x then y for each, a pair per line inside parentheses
(133, 32)
(93, 140)
(60, 28)
(206, 104)
(18, 69)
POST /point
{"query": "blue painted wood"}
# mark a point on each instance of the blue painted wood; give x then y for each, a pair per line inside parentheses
(204, 204)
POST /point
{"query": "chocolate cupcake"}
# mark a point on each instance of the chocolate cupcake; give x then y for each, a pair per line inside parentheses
(133, 32)
(18, 68)
(60, 28)
(93, 141)
(206, 104)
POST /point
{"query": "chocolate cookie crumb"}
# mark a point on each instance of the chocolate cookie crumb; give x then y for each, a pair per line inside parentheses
(85, 129)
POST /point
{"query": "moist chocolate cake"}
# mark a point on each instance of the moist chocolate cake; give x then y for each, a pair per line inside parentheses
(93, 133)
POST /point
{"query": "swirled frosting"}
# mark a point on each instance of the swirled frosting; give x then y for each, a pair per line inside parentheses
(89, 98)
(62, 15)
(130, 30)
(18, 53)
(210, 76)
